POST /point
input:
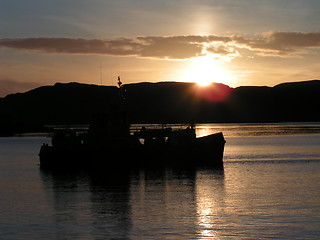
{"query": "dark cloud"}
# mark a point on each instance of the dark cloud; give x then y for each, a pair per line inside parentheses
(73, 46)
(170, 47)
(282, 43)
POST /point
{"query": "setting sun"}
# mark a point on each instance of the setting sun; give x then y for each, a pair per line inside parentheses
(205, 70)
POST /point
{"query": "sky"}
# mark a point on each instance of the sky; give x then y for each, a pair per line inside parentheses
(235, 42)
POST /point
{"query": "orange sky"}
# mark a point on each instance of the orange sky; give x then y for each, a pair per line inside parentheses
(237, 43)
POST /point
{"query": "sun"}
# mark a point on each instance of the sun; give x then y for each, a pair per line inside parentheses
(205, 70)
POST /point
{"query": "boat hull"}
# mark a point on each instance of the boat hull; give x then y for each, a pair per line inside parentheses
(204, 151)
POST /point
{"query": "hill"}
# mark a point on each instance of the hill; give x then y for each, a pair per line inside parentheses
(170, 102)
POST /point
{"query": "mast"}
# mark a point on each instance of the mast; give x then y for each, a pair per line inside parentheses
(122, 109)
(119, 82)
(121, 90)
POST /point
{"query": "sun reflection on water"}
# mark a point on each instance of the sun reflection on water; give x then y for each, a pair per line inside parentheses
(209, 187)
(204, 130)
(204, 222)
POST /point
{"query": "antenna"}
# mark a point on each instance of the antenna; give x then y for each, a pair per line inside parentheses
(111, 75)
(100, 74)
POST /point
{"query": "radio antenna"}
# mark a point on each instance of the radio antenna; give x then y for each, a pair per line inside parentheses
(100, 74)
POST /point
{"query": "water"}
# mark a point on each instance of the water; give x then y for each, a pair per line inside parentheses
(269, 188)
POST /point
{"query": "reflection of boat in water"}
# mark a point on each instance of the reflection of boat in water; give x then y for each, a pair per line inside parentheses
(109, 142)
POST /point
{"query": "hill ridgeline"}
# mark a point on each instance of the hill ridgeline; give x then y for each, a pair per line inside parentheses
(164, 102)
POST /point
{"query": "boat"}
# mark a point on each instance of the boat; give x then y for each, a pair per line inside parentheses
(111, 142)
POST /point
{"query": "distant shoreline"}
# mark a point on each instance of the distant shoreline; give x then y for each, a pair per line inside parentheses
(307, 125)
(164, 102)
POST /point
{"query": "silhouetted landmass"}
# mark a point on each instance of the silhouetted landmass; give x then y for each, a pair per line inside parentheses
(165, 102)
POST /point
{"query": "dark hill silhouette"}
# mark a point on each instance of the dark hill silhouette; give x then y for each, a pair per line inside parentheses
(170, 102)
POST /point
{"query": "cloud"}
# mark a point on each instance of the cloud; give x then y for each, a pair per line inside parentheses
(281, 43)
(171, 47)
(72, 45)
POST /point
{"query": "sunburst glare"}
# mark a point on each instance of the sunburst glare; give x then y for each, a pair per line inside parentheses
(205, 70)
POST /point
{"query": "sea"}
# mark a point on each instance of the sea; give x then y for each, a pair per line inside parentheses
(269, 189)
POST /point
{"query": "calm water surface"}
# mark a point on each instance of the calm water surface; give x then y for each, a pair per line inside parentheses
(269, 188)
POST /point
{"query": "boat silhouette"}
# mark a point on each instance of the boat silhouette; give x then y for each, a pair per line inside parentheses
(111, 142)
